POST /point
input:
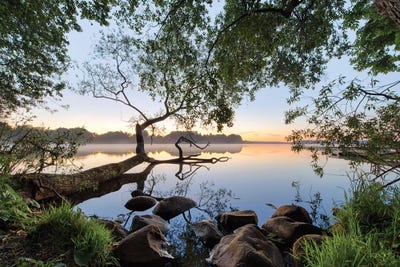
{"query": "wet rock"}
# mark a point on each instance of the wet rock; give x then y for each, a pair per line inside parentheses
(229, 221)
(298, 247)
(140, 203)
(207, 232)
(117, 230)
(145, 247)
(248, 247)
(294, 212)
(171, 207)
(289, 230)
(139, 222)
(137, 193)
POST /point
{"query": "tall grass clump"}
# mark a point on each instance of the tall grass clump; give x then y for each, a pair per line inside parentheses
(373, 206)
(367, 230)
(350, 248)
(69, 231)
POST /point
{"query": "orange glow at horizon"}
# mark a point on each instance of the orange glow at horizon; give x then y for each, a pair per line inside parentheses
(275, 135)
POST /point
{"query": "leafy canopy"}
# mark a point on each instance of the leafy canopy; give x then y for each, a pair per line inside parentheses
(200, 60)
(33, 47)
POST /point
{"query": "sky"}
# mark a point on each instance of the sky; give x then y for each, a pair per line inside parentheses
(260, 120)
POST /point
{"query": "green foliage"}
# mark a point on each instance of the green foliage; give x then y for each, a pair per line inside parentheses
(350, 249)
(200, 65)
(357, 118)
(32, 59)
(26, 149)
(359, 121)
(372, 207)
(66, 229)
(367, 231)
(377, 40)
(264, 43)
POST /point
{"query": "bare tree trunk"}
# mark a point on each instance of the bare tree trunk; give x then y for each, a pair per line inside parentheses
(139, 140)
(389, 8)
(43, 186)
(112, 185)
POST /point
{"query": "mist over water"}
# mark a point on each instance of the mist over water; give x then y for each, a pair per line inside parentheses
(256, 174)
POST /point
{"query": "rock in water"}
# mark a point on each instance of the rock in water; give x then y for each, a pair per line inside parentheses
(145, 247)
(229, 221)
(137, 193)
(171, 207)
(207, 232)
(289, 230)
(139, 222)
(296, 213)
(140, 203)
(248, 247)
(117, 231)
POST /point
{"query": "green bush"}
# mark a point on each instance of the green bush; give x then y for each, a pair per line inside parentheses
(369, 230)
(69, 230)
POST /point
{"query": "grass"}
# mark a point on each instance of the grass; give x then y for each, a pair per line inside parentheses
(367, 232)
(351, 249)
(55, 236)
(71, 232)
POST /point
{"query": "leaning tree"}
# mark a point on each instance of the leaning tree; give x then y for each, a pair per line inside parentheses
(169, 68)
(254, 44)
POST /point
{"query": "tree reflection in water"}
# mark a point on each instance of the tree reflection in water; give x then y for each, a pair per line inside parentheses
(185, 246)
(187, 249)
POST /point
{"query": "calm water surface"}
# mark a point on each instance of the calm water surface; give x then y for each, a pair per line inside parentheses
(256, 174)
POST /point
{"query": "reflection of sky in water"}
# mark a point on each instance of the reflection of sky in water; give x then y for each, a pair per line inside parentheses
(258, 174)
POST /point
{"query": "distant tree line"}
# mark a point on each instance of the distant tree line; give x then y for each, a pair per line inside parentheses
(119, 137)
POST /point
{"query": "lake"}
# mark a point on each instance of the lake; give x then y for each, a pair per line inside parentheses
(254, 175)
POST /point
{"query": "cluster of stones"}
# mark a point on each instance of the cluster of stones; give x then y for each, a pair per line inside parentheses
(278, 242)
(234, 238)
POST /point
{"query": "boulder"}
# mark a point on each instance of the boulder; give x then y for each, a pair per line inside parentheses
(248, 247)
(139, 222)
(298, 247)
(140, 203)
(207, 232)
(145, 247)
(137, 193)
(117, 230)
(229, 221)
(289, 230)
(171, 207)
(296, 213)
